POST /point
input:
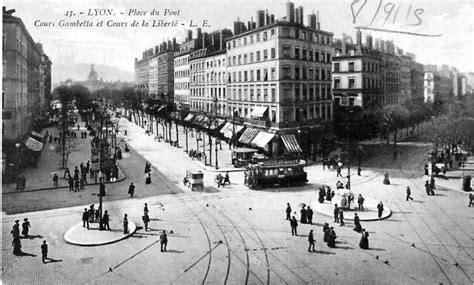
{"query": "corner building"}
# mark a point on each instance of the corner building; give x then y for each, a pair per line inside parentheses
(279, 81)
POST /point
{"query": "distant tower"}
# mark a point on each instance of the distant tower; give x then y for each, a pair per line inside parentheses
(92, 74)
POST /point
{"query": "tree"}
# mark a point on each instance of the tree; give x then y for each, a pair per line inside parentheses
(391, 118)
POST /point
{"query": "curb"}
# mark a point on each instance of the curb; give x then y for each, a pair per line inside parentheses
(68, 240)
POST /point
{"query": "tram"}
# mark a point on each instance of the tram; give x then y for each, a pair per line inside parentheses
(275, 173)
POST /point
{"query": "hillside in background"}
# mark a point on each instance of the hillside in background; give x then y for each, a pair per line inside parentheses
(80, 71)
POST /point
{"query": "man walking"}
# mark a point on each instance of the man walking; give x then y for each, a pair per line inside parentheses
(55, 180)
(71, 184)
(341, 216)
(336, 214)
(125, 224)
(360, 201)
(146, 220)
(427, 187)
(163, 241)
(44, 251)
(471, 198)
(309, 215)
(294, 225)
(409, 193)
(25, 227)
(131, 190)
(85, 218)
(311, 240)
(380, 209)
(288, 211)
(105, 221)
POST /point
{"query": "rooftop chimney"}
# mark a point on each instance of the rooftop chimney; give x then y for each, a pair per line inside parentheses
(190, 35)
(301, 15)
(318, 23)
(204, 37)
(290, 12)
(359, 37)
(260, 18)
(369, 40)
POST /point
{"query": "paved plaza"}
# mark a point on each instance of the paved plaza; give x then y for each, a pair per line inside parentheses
(234, 235)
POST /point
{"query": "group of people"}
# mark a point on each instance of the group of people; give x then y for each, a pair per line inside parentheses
(430, 186)
(78, 180)
(16, 243)
(221, 180)
(325, 192)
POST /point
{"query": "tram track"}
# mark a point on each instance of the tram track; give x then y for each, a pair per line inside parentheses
(442, 226)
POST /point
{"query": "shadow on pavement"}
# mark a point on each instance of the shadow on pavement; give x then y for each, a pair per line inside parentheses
(377, 249)
(175, 251)
(26, 254)
(50, 260)
(323, 252)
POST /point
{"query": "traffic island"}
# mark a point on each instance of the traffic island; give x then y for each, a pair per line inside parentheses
(370, 212)
(93, 236)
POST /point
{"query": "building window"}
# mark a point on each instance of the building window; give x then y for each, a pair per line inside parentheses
(258, 75)
(272, 32)
(310, 54)
(286, 72)
(297, 52)
(265, 95)
(251, 75)
(273, 74)
(337, 83)
(273, 94)
(245, 76)
(265, 54)
(258, 37)
(245, 58)
(258, 56)
(245, 41)
(304, 73)
(352, 83)
(272, 53)
(316, 56)
(303, 35)
(304, 54)
(251, 39)
(258, 94)
(286, 32)
(286, 51)
(297, 73)
(265, 36)
(351, 66)
(251, 94)
(337, 67)
(251, 57)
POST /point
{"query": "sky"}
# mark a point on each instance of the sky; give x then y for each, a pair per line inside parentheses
(119, 46)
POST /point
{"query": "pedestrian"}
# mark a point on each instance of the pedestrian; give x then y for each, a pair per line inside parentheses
(364, 240)
(309, 215)
(125, 224)
(105, 221)
(148, 178)
(16, 243)
(432, 185)
(77, 125)
(226, 178)
(81, 183)
(101, 187)
(22, 182)
(294, 225)
(81, 167)
(76, 186)
(288, 211)
(303, 219)
(358, 227)
(336, 214)
(146, 220)
(145, 209)
(428, 187)
(380, 209)
(409, 193)
(16, 229)
(338, 172)
(341, 216)
(71, 184)
(386, 179)
(311, 240)
(25, 227)
(359, 170)
(131, 189)
(76, 173)
(360, 201)
(163, 241)
(85, 218)
(44, 251)
(67, 174)
(55, 180)
(326, 232)
(332, 238)
(471, 198)
(91, 213)
(426, 169)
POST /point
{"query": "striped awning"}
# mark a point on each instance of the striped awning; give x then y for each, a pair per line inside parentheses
(216, 124)
(230, 131)
(262, 139)
(259, 111)
(248, 135)
(189, 118)
(291, 143)
(34, 144)
(226, 127)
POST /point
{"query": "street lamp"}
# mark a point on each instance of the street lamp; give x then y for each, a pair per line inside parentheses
(17, 145)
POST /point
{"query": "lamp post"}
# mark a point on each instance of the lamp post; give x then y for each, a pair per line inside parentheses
(17, 147)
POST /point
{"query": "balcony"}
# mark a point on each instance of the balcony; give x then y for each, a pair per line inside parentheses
(257, 123)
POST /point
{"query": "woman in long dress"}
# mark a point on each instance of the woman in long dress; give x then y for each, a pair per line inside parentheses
(364, 240)
(148, 178)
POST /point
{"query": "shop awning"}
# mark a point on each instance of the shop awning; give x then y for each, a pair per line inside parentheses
(226, 127)
(217, 123)
(230, 131)
(34, 144)
(38, 136)
(189, 118)
(262, 139)
(259, 111)
(248, 135)
(291, 143)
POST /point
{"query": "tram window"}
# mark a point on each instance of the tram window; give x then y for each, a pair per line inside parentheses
(289, 170)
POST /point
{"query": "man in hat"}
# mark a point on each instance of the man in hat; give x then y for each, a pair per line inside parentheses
(428, 187)
(288, 211)
(341, 216)
(309, 215)
(326, 232)
(131, 189)
(105, 221)
(25, 227)
(44, 251)
(409, 193)
(125, 224)
(294, 225)
(55, 180)
(163, 241)
(336, 214)
(380, 209)
(311, 240)
(146, 220)
(360, 201)
(85, 218)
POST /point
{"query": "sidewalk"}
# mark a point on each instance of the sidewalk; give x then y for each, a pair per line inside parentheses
(40, 178)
